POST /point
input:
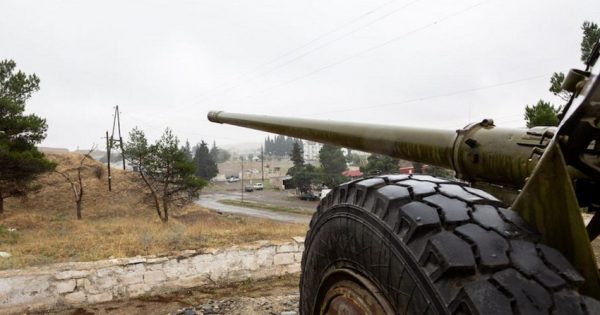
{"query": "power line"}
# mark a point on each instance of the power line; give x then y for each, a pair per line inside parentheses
(186, 133)
(316, 48)
(323, 45)
(453, 93)
(372, 48)
(418, 99)
(352, 21)
(289, 52)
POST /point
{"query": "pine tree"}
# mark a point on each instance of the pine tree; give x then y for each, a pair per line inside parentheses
(304, 175)
(164, 169)
(214, 152)
(591, 35)
(297, 155)
(333, 163)
(541, 114)
(380, 164)
(280, 145)
(206, 167)
(187, 151)
(20, 161)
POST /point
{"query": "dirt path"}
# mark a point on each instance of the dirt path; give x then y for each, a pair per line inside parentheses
(271, 296)
(211, 201)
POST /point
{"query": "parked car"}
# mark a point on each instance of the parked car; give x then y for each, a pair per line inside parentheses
(248, 188)
(233, 179)
(258, 186)
(308, 195)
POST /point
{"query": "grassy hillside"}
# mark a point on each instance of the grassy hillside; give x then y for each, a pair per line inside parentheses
(42, 227)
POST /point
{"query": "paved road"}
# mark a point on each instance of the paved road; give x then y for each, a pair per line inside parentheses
(211, 201)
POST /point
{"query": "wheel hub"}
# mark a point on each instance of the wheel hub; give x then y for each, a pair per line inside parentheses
(350, 293)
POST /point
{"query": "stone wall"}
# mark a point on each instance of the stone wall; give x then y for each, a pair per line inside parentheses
(101, 281)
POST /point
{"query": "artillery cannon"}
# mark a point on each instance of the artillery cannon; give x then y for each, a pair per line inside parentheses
(418, 244)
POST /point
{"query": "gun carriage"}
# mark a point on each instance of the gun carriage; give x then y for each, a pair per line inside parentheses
(512, 240)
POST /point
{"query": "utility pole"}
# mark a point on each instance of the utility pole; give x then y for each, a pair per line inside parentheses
(110, 142)
(262, 164)
(120, 137)
(108, 145)
(242, 159)
(117, 121)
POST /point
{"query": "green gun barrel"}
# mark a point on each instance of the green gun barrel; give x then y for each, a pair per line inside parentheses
(478, 152)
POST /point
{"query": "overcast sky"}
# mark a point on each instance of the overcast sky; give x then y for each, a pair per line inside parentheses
(424, 63)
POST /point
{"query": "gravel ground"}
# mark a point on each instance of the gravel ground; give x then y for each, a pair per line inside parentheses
(275, 296)
(267, 305)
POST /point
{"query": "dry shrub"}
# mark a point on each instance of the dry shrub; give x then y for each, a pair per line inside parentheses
(98, 171)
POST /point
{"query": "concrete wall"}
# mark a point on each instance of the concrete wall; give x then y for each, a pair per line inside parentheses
(101, 281)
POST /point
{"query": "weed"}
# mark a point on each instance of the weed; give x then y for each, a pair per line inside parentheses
(98, 171)
(145, 239)
(175, 236)
(8, 235)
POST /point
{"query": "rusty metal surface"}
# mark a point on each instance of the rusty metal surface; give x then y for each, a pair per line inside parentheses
(347, 297)
(344, 291)
(486, 153)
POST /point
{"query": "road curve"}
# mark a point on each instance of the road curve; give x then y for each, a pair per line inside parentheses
(211, 201)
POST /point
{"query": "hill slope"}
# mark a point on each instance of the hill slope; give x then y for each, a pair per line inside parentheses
(42, 227)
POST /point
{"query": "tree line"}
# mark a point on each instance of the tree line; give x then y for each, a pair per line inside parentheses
(304, 175)
(334, 163)
(280, 145)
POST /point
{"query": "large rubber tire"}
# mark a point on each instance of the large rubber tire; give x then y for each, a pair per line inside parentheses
(423, 245)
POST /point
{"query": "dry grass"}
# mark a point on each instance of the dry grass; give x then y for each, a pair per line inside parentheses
(117, 224)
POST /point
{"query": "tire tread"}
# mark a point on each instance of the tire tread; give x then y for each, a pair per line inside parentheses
(479, 255)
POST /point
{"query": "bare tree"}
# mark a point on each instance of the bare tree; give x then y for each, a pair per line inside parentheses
(77, 183)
